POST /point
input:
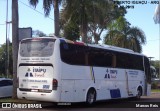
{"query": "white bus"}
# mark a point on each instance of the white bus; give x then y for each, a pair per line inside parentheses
(58, 70)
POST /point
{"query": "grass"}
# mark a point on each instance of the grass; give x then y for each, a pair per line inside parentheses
(155, 90)
(15, 100)
(5, 76)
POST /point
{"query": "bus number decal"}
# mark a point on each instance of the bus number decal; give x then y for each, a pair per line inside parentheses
(46, 86)
(111, 74)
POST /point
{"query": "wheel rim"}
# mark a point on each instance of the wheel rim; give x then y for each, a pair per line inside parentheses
(91, 97)
(138, 93)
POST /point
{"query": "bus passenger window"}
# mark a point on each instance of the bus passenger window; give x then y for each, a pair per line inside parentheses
(114, 61)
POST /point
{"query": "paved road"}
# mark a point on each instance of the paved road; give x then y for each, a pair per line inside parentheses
(151, 103)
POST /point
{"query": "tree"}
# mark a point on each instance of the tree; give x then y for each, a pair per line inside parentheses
(38, 33)
(85, 15)
(71, 31)
(122, 35)
(107, 12)
(155, 63)
(75, 11)
(3, 57)
(47, 4)
(15, 42)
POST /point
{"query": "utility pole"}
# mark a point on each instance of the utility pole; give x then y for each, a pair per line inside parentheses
(6, 54)
(15, 43)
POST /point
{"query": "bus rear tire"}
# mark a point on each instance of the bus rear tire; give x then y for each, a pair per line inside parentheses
(91, 97)
(139, 93)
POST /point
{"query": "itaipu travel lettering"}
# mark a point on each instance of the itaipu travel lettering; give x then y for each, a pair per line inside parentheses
(39, 70)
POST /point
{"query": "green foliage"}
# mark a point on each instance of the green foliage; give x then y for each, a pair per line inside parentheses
(47, 5)
(119, 24)
(71, 31)
(107, 12)
(122, 35)
(155, 90)
(38, 33)
(3, 59)
(92, 17)
(5, 76)
(155, 85)
(156, 64)
(9, 100)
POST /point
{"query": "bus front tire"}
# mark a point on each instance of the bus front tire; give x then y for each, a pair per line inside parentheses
(91, 97)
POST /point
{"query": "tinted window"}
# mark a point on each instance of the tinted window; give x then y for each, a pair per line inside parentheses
(73, 54)
(84, 55)
(37, 48)
(99, 57)
(6, 83)
(129, 61)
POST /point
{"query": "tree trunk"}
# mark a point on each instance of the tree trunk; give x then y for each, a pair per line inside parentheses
(96, 39)
(84, 33)
(15, 43)
(56, 17)
(84, 23)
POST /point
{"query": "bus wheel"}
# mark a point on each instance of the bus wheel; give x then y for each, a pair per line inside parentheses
(139, 93)
(91, 97)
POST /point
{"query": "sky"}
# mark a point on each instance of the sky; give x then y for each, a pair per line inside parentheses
(140, 16)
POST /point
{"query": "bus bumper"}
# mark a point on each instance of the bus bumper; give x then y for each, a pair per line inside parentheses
(54, 96)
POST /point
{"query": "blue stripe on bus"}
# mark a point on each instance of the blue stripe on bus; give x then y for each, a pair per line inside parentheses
(92, 73)
(115, 93)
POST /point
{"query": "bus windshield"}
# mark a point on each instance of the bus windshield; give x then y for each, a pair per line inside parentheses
(37, 47)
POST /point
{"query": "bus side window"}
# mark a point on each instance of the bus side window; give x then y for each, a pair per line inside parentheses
(147, 69)
(100, 58)
(108, 57)
(113, 60)
(86, 58)
(79, 55)
(72, 54)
